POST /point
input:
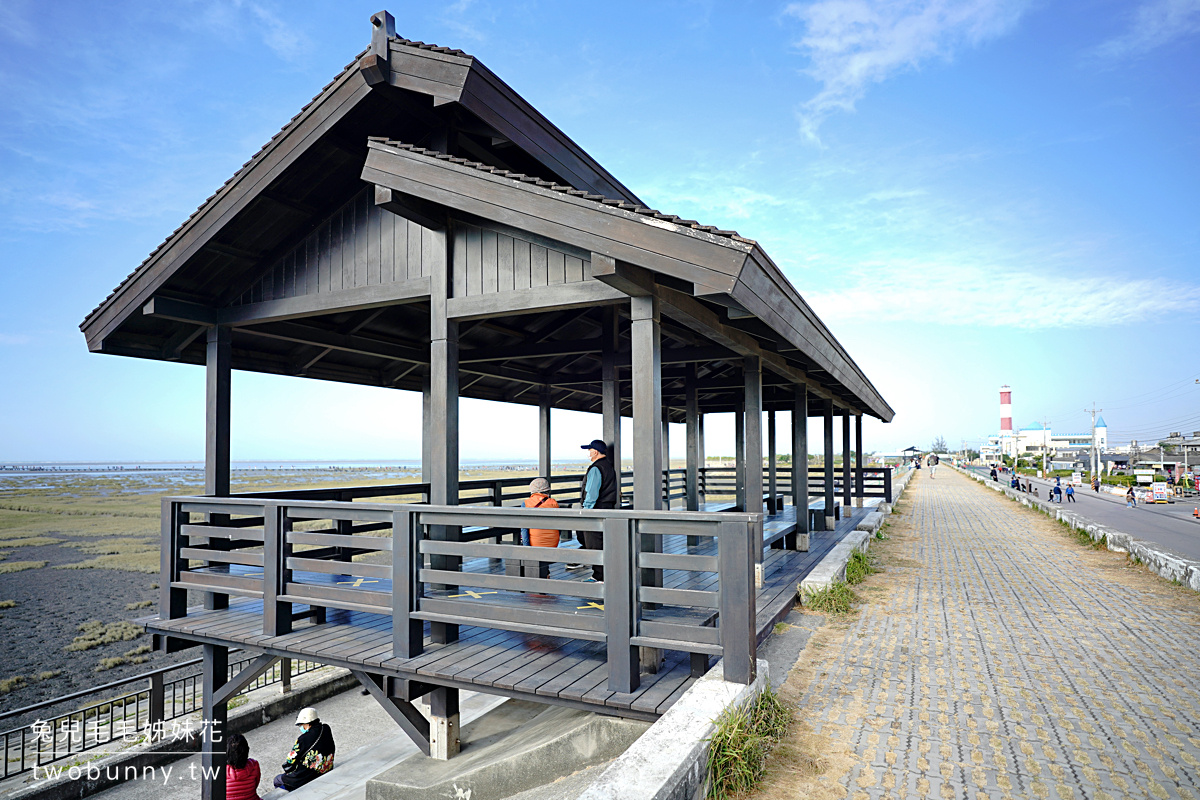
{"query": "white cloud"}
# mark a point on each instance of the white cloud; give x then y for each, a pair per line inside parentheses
(852, 44)
(14, 339)
(15, 22)
(1154, 24)
(233, 18)
(958, 294)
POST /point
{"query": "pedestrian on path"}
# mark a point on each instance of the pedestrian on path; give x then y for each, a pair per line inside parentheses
(1096, 484)
(1070, 493)
(1130, 498)
(1058, 493)
(933, 465)
(995, 478)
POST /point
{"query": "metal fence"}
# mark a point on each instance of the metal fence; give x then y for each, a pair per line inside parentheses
(152, 712)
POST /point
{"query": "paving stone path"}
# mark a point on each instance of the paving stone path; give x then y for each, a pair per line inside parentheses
(1005, 660)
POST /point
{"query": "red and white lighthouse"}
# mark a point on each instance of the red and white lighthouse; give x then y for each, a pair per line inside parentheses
(1005, 410)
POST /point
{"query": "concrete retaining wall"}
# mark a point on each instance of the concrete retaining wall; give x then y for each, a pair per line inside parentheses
(1159, 560)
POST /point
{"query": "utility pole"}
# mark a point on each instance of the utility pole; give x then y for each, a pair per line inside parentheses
(1095, 449)
(1045, 445)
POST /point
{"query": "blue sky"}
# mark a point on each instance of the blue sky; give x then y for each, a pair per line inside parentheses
(969, 194)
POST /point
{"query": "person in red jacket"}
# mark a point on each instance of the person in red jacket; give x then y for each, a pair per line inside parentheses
(242, 773)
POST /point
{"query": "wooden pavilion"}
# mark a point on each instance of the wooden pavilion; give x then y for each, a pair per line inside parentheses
(419, 226)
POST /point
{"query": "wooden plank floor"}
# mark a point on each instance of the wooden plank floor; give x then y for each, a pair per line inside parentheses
(540, 668)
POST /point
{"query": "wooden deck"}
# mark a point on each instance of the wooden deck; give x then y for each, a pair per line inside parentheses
(545, 669)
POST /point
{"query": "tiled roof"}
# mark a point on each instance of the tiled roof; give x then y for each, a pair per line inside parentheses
(562, 188)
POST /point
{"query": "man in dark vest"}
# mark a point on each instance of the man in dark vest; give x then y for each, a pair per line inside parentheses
(600, 490)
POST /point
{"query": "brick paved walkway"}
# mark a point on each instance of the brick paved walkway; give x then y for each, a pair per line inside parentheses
(1005, 660)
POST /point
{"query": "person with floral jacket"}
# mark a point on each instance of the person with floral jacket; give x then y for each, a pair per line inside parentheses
(312, 754)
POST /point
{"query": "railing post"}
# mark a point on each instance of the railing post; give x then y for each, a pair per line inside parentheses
(620, 606)
(277, 616)
(887, 485)
(158, 701)
(735, 562)
(172, 602)
(497, 493)
(408, 636)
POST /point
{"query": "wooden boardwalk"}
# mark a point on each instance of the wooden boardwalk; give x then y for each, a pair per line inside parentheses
(546, 669)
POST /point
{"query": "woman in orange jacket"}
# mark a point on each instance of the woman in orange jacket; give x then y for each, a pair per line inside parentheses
(539, 497)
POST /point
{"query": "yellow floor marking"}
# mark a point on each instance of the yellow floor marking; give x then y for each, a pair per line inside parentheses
(356, 583)
(593, 605)
(469, 593)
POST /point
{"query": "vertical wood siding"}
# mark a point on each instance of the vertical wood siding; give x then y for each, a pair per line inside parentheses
(360, 244)
(488, 261)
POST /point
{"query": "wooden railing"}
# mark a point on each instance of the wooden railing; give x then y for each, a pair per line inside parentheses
(866, 482)
(631, 608)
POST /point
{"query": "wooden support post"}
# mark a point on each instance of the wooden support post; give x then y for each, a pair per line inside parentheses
(443, 723)
(800, 468)
(666, 457)
(754, 455)
(859, 489)
(543, 433)
(158, 700)
(692, 423)
(830, 519)
(772, 473)
(610, 391)
(218, 382)
(847, 480)
(426, 433)
(647, 433)
(214, 717)
(443, 381)
(739, 456)
(647, 404)
(285, 675)
(701, 458)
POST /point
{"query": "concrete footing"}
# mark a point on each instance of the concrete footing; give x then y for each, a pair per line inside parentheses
(516, 747)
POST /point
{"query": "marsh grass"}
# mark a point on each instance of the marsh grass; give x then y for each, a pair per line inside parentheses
(19, 566)
(139, 604)
(137, 655)
(95, 633)
(744, 736)
(8, 603)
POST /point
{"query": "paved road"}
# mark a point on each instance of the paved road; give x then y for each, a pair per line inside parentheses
(1171, 526)
(1003, 660)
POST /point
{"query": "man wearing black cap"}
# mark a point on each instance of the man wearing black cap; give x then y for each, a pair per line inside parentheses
(600, 490)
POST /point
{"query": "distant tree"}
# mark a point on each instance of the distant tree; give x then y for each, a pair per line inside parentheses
(939, 445)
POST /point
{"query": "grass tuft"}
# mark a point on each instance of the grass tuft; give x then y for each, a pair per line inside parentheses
(859, 567)
(12, 684)
(19, 566)
(836, 598)
(95, 633)
(738, 748)
(8, 603)
(139, 604)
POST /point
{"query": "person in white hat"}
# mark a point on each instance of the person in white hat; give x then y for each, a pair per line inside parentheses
(312, 754)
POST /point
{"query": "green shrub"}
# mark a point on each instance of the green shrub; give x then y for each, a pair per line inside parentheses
(738, 748)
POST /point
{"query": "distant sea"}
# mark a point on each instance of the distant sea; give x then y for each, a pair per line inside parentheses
(124, 467)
